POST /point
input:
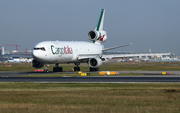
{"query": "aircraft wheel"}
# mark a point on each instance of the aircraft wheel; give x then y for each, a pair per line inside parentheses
(76, 68)
(46, 70)
(93, 69)
(60, 69)
(57, 69)
(54, 69)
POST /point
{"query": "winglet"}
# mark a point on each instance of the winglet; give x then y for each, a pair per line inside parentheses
(101, 21)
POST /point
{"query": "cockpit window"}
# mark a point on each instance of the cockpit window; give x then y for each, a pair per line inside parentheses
(40, 48)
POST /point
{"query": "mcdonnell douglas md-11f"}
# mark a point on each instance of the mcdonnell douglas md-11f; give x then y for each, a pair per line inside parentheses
(57, 52)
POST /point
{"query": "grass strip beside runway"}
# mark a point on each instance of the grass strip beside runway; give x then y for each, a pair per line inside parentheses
(89, 98)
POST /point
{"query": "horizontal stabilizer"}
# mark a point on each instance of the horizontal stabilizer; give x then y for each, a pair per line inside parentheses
(116, 47)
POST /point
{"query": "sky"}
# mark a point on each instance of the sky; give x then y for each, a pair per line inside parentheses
(148, 24)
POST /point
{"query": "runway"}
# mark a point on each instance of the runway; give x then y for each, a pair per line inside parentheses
(19, 73)
(151, 78)
(103, 79)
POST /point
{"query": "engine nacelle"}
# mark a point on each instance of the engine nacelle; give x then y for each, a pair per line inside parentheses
(37, 64)
(95, 62)
(93, 35)
(97, 36)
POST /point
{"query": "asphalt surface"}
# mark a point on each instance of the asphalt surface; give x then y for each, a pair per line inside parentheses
(90, 79)
(19, 73)
(150, 76)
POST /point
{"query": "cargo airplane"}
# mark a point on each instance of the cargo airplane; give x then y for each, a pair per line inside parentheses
(57, 52)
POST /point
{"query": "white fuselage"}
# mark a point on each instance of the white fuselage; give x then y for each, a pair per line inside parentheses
(64, 51)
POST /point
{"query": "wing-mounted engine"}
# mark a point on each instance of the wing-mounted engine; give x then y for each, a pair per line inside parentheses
(37, 64)
(97, 36)
(95, 62)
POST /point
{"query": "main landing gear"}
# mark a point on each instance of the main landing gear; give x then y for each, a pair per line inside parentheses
(93, 69)
(60, 69)
(77, 68)
(57, 68)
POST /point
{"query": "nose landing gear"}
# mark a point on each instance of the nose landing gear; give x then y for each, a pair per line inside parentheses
(45, 68)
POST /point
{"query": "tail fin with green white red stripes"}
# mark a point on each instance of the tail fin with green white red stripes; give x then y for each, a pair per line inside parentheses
(98, 35)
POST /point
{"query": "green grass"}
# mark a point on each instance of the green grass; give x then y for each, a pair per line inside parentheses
(89, 98)
(122, 66)
(92, 97)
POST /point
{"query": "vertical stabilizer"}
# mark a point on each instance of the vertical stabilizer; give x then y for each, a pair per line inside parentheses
(98, 35)
(101, 21)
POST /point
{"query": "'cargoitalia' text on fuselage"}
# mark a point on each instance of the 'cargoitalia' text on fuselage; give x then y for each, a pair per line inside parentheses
(61, 51)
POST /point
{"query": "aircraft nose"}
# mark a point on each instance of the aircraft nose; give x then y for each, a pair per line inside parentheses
(35, 54)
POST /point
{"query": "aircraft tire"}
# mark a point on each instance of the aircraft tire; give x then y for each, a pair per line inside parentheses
(93, 69)
(46, 70)
(57, 69)
(60, 69)
(97, 69)
(76, 68)
(54, 69)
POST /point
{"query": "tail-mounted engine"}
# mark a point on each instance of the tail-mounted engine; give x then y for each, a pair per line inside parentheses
(95, 62)
(97, 36)
(37, 64)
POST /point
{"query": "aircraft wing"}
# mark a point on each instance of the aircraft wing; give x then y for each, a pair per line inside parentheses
(105, 56)
(116, 47)
(132, 55)
(87, 56)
